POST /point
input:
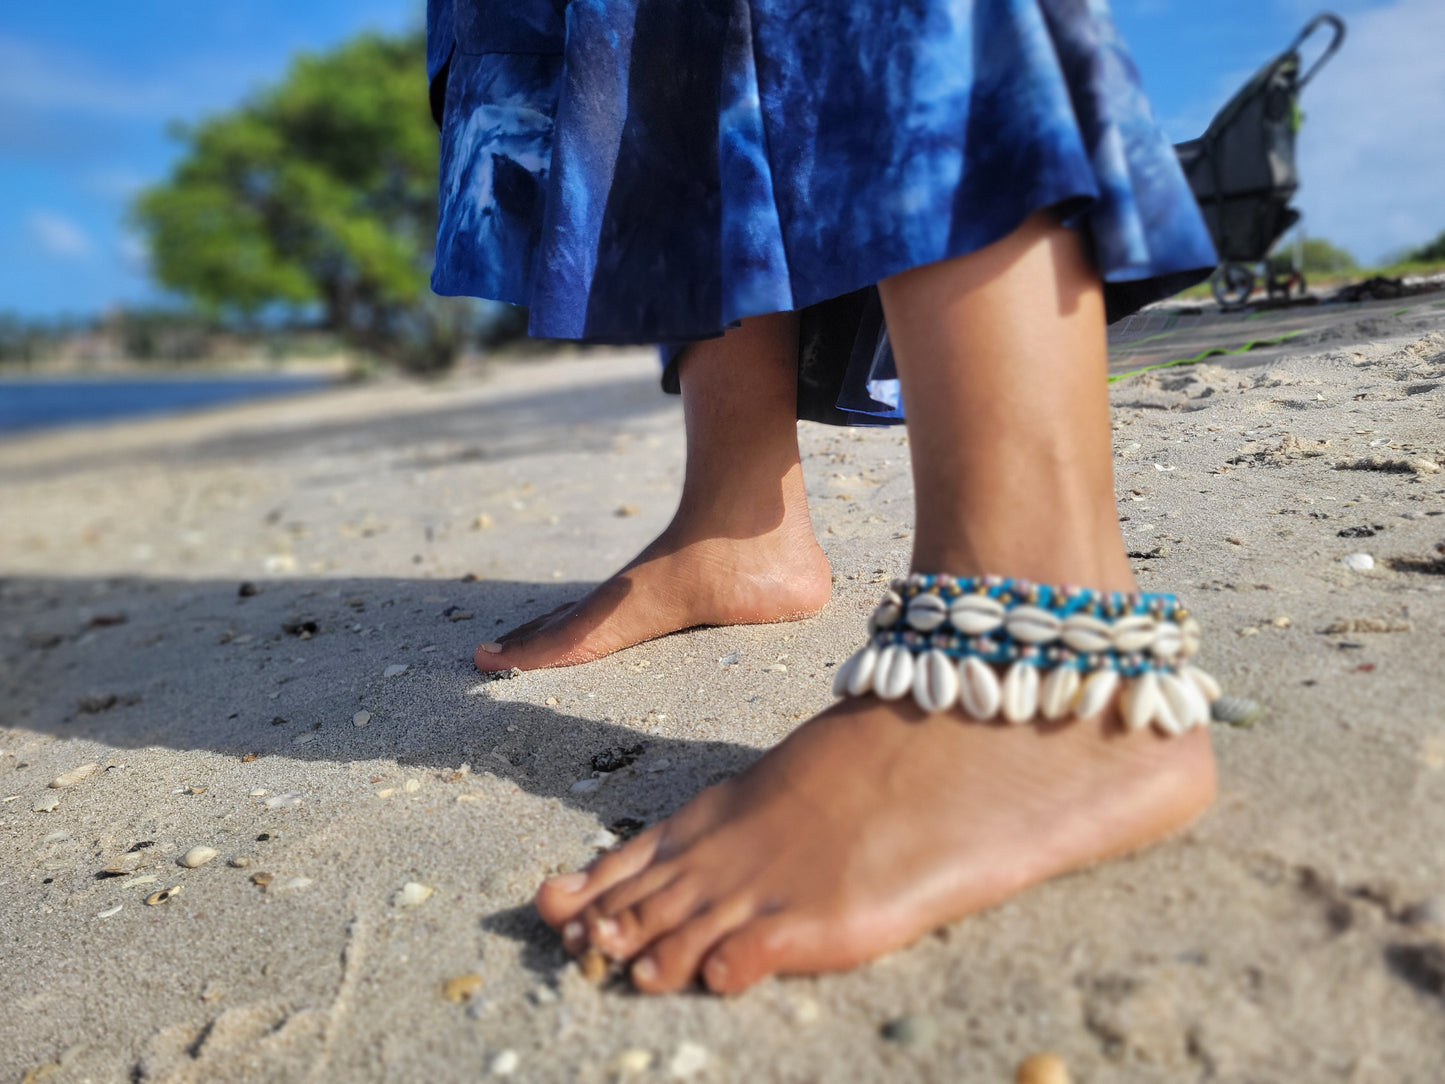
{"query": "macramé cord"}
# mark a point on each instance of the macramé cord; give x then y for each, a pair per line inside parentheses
(1063, 651)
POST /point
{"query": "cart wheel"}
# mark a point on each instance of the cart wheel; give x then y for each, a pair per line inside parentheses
(1232, 283)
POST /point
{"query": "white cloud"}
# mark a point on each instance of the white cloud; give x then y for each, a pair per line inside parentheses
(1372, 152)
(58, 235)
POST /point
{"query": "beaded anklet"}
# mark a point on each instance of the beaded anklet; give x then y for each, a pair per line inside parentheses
(1066, 649)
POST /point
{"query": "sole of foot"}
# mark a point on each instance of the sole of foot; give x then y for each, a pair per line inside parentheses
(871, 825)
(674, 585)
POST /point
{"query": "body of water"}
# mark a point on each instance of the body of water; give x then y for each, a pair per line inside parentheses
(29, 404)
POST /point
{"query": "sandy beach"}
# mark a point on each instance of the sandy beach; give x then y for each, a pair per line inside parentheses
(257, 624)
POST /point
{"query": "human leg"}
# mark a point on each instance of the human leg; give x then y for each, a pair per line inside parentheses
(875, 821)
(740, 548)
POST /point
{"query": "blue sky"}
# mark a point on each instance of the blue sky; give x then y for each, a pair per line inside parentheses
(87, 89)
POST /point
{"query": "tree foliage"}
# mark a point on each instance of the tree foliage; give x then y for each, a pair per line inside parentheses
(1316, 256)
(316, 195)
(1432, 252)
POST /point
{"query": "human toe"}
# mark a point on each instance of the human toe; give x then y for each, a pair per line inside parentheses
(671, 962)
(563, 898)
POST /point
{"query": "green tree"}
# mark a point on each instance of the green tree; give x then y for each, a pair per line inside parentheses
(316, 195)
(1316, 256)
(1433, 252)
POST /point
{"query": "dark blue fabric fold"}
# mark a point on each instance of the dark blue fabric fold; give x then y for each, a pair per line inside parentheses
(654, 171)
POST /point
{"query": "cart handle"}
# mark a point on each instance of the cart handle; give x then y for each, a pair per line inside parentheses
(1335, 23)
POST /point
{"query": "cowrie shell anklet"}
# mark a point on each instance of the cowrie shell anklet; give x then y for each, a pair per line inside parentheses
(1062, 652)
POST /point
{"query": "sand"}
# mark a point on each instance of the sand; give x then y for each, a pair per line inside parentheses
(1293, 934)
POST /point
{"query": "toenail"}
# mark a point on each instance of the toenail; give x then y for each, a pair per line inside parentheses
(568, 882)
(644, 970)
(605, 929)
(716, 973)
(572, 933)
(492, 648)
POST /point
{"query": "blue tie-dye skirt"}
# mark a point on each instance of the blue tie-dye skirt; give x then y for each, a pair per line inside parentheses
(652, 171)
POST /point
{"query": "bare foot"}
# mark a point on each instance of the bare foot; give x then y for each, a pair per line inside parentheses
(870, 825)
(677, 583)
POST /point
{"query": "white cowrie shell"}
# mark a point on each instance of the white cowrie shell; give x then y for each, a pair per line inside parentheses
(1133, 633)
(1168, 640)
(1020, 692)
(887, 613)
(894, 675)
(975, 615)
(1204, 682)
(1056, 694)
(1087, 635)
(935, 681)
(1184, 700)
(978, 689)
(1141, 700)
(1032, 625)
(1189, 637)
(1095, 695)
(860, 681)
(844, 673)
(926, 612)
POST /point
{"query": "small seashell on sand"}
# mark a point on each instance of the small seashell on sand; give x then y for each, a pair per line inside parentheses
(47, 804)
(155, 899)
(198, 856)
(361, 718)
(776, 668)
(894, 676)
(261, 880)
(411, 786)
(1098, 690)
(110, 912)
(1087, 634)
(975, 614)
(1057, 692)
(462, 987)
(505, 1063)
(978, 689)
(926, 612)
(1358, 562)
(1042, 1069)
(126, 863)
(1203, 681)
(1238, 711)
(240, 862)
(74, 776)
(593, 965)
(279, 801)
(1019, 693)
(396, 669)
(292, 884)
(689, 1060)
(602, 839)
(935, 681)
(1033, 625)
(1133, 633)
(412, 894)
(148, 879)
(386, 792)
(914, 1029)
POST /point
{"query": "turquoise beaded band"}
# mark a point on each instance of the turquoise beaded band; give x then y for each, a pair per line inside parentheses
(1065, 650)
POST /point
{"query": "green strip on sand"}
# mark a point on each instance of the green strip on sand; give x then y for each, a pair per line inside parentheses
(1212, 352)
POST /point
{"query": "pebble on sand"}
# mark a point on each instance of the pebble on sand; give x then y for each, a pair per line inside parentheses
(631, 1062)
(396, 669)
(1042, 1069)
(593, 965)
(361, 718)
(261, 880)
(74, 776)
(505, 1063)
(48, 804)
(691, 1058)
(412, 894)
(240, 862)
(915, 1029)
(1238, 711)
(198, 856)
(1358, 562)
(462, 987)
(602, 839)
